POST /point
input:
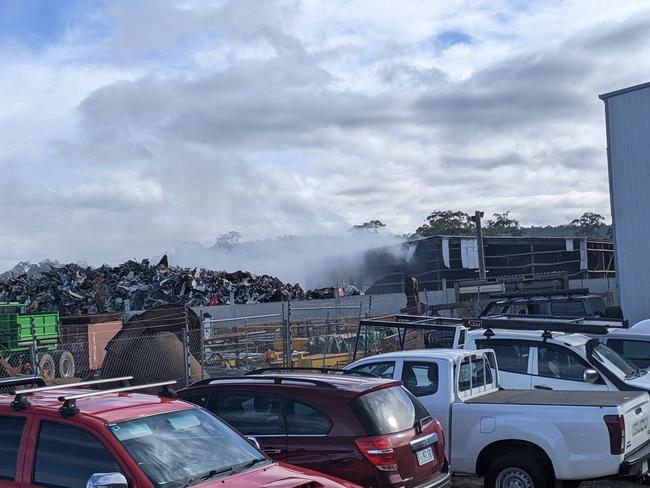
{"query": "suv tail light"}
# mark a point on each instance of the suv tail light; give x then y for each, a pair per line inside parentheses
(379, 451)
(616, 428)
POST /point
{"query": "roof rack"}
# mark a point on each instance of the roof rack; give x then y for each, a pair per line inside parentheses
(402, 322)
(20, 401)
(542, 293)
(70, 408)
(278, 380)
(22, 380)
(320, 370)
(531, 322)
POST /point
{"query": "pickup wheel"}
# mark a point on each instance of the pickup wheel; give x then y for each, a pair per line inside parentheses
(518, 470)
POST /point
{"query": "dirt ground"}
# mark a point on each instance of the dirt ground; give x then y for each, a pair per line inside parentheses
(471, 482)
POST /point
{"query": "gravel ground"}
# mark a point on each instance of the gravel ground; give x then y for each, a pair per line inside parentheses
(472, 482)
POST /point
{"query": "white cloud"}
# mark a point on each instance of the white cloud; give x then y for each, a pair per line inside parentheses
(294, 117)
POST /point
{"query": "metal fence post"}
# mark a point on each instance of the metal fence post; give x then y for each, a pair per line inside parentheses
(287, 337)
(186, 348)
(33, 346)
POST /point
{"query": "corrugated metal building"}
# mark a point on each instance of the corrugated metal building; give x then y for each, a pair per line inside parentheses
(627, 114)
(447, 259)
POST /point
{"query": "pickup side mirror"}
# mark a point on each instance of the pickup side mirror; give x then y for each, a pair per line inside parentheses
(107, 480)
(590, 376)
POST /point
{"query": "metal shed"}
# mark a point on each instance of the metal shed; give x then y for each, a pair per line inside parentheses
(627, 116)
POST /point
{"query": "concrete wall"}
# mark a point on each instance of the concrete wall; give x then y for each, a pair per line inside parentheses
(374, 305)
(627, 115)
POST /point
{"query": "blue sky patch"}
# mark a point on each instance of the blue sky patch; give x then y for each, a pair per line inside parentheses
(450, 38)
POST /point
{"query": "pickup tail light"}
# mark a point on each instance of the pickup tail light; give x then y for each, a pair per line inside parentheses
(379, 451)
(616, 428)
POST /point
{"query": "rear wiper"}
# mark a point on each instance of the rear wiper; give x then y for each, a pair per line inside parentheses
(207, 476)
(249, 464)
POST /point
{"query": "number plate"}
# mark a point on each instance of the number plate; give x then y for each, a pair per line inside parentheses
(425, 456)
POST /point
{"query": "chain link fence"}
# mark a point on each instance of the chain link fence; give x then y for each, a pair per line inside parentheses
(173, 343)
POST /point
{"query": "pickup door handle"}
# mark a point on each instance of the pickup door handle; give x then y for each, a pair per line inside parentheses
(272, 451)
(542, 387)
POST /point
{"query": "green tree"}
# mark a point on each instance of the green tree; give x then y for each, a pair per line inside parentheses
(446, 222)
(501, 224)
(373, 226)
(589, 224)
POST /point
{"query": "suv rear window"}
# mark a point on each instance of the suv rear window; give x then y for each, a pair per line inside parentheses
(388, 410)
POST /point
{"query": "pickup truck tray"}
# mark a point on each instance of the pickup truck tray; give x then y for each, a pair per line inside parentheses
(547, 397)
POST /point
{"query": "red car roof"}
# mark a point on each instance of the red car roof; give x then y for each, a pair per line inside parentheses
(109, 408)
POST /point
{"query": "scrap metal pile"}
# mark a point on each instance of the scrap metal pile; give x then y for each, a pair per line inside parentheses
(72, 289)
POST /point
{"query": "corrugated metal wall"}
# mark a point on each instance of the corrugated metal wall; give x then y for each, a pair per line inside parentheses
(628, 140)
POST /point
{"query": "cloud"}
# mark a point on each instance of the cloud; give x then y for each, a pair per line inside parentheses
(178, 121)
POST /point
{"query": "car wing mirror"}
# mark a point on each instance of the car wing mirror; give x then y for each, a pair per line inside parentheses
(590, 376)
(107, 480)
(253, 441)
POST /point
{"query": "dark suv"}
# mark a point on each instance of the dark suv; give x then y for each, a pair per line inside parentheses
(364, 429)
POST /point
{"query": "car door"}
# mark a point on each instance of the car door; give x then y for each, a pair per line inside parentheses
(559, 368)
(12, 430)
(65, 456)
(513, 360)
(308, 441)
(255, 414)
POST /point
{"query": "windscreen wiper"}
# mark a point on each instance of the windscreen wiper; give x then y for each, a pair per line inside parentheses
(207, 476)
(249, 464)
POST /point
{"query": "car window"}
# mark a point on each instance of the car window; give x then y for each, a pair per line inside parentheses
(389, 410)
(66, 457)
(383, 370)
(512, 356)
(200, 400)
(420, 378)
(303, 419)
(570, 308)
(554, 362)
(474, 374)
(598, 306)
(11, 432)
(439, 338)
(252, 413)
(636, 351)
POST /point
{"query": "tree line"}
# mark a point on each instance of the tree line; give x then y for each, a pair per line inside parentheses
(458, 223)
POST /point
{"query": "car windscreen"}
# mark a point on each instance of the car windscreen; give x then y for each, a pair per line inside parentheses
(612, 360)
(182, 448)
(389, 410)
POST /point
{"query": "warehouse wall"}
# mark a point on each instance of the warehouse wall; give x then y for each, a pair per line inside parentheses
(627, 114)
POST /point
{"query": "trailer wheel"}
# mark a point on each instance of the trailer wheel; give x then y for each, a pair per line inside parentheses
(518, 470)
(65, 366)
(46, 367)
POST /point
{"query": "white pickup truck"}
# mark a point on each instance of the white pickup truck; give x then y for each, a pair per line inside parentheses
(521, 439)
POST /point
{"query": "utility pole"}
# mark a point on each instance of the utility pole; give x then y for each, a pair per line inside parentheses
(479, 241)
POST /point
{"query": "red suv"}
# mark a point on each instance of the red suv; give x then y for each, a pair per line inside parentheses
(364, 429)
(60, 437)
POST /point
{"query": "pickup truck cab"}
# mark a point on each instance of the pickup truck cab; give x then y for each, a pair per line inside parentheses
(75, 438)
(534, 359)
(521, 438)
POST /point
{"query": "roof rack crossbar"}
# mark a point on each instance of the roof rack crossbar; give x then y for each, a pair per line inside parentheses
(542, 293)
(528, 324)
(23, 380)
(70, 408)
(321, 370)
(265, 377)
(20, 401)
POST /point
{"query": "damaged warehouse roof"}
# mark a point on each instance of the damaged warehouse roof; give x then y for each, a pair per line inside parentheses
(73, 289)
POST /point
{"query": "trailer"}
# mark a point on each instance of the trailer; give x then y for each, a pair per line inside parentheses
(32, 343)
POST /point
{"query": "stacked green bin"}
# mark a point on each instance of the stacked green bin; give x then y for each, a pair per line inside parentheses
(21, 331)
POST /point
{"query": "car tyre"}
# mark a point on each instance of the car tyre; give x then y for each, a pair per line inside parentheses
(524, 469)
(46, 367)
(65, 366)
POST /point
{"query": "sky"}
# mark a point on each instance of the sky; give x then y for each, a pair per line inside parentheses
(128, 127)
